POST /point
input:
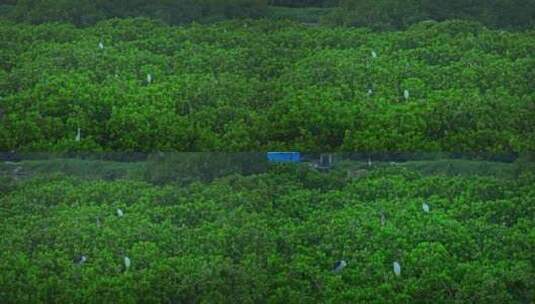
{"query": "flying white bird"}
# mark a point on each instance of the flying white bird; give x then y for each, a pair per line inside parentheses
(78, 135)
(101, 45)
(397, 269)
(406, 94)
(374, 54)
(149, 78)
(120, 213)
(425, 207)
(127, 262)
(339, 266)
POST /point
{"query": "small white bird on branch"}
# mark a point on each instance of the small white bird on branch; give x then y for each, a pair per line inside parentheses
(406, 94)
(425, 207)
(127, 263)
(78, 135)
(397, 269)
(82, 260)
(339, 266)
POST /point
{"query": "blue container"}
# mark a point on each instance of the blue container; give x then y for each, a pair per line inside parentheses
(284, 157)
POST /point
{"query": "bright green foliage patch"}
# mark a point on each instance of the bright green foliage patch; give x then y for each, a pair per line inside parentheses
(272, 237)
(256, 85)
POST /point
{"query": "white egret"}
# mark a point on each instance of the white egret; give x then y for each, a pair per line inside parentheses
(82, 260)
(101, 45)
(425, 207)
(149, 78)
(369, 161)
(370, 92)
(127, 262)
(397, 269)
(383, 219)
(339, 266)
(78, 135)
(406, 94)
(374, 54)
(120, 213)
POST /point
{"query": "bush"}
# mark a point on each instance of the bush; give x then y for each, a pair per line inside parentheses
(205, 167)
(263, 85)
(83, 13)
(397, 14)
(271, 237)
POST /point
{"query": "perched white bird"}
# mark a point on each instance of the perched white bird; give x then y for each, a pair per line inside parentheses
(374, 54)
(397, 269)
(339, 266)
(120, 213)
(369, 161)
(406, 94)
(383, 219)
(127, 262)
(83, 258)
(101, 45)
(149, 78)
(78, 135)
(370, 92)
(425, 207)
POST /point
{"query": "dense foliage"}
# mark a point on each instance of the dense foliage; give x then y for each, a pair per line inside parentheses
(377, 14)
(392, 14)
(303, 3)
(256, 85)
(270, 238)
(86, 12)
(311, 16)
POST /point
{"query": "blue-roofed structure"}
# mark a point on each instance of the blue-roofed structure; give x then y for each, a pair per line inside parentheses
(284, 157)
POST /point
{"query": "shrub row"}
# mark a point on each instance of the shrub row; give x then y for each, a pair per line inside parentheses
(270, 238)
(257, 85)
